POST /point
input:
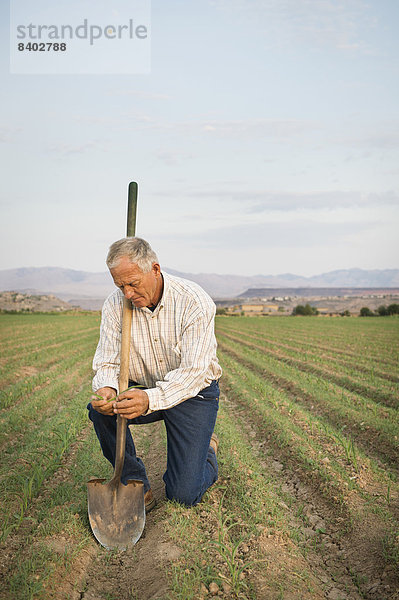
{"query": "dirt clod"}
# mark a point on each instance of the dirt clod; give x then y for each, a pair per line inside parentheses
(226, 587)
(214, 588)
(204, 590)
(336, 594)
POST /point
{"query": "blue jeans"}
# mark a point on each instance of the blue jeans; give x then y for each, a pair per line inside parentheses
(191, 464)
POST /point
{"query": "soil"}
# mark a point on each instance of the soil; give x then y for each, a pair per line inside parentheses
(140, 573)
(136, 573)
(366, 390)
(350, 564)
(371, 440)
(98, 573)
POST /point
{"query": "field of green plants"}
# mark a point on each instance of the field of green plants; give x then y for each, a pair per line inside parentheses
(307, 501)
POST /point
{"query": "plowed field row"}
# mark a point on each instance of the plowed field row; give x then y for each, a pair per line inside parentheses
(329, 433)
(367, 339)
(352, 363)
(318, 390)
(33, 373)
(329, 409)
(378, 389)
(306, 505)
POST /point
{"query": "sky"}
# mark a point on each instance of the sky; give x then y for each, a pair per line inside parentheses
(264, 140)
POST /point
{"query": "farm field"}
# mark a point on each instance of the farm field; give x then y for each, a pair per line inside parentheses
(307, 501)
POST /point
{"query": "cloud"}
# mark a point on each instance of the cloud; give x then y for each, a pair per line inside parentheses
(7, 134)
(275, 128)
(171, 157)
(140, 94)
(106, 121)
(342, 24)
(263, 236)
(116, 121)
(384, 139)
(283, 129)
(258, 201)
(71, 149)
(322, 200)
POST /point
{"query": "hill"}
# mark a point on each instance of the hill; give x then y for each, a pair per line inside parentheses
(15, 301)
(321, 292)
(89, 289)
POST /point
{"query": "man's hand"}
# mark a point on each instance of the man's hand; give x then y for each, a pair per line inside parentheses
(131, 404)
(105, 407)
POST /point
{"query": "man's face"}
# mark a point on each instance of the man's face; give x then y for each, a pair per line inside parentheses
(142, 289)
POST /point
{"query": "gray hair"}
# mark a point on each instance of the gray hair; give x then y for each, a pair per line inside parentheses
(137, 250)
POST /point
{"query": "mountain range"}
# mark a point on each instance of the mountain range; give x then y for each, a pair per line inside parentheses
(89, 289)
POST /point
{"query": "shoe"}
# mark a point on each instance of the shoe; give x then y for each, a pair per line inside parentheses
(149, 501)
(214, 443)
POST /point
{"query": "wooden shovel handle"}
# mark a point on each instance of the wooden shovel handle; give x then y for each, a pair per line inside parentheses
(121, 423)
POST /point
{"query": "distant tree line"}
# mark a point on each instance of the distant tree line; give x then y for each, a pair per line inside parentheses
(306, 311)
(221, 310)
(309, 311)
(382, 311)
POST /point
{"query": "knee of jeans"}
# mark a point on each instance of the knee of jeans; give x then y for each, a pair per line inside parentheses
(189, 496)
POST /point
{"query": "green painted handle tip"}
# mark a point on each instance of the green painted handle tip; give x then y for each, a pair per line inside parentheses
(132, 209)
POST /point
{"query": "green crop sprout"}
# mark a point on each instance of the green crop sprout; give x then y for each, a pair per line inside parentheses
(138, 386)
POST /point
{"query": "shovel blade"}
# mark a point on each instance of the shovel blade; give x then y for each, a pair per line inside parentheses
(116, 512)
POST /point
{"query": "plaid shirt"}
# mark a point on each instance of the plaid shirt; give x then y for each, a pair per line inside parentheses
(172, 350)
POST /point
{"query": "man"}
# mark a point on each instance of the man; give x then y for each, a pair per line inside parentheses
(173, 356)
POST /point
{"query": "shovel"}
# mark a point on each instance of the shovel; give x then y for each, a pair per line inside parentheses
(117, 511)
